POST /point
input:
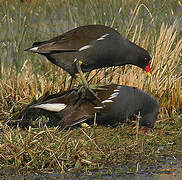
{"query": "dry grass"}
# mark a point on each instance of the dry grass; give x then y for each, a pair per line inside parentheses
(43, 149)
(34, 149)
(165, 83)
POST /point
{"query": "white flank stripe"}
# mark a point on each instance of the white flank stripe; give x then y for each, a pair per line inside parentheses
(115, 94)
(107, 101)
(34, 49)
(116, 90)
(85, 47)
(118, 87)
(105, 35)
(56, 107)
(99, 107)
(111, 97)
(100, 39)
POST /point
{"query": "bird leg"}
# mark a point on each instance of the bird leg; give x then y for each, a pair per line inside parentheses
(82, 76)
(84, 81)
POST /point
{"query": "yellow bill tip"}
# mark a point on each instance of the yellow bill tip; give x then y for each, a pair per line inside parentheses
(149, 74)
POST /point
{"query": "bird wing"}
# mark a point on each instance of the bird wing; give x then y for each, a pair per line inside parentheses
(75, 39)
(58, 102)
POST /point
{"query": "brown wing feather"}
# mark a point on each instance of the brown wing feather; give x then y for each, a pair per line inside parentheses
(76, 38)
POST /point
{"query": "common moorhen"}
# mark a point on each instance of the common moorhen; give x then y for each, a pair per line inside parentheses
(92, 47)
(118, 103)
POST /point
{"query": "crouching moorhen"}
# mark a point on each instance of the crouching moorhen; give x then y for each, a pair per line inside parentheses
(117, 104)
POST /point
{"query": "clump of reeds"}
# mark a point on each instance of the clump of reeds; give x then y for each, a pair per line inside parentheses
(165, 82)
(31, 76)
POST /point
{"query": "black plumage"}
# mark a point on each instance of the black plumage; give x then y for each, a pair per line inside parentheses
(97, 46)
(117, 104)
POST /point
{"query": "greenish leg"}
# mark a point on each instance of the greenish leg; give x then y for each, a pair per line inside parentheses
(84, 81)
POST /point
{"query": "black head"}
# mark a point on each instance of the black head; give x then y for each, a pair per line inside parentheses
(137, 56)
(144, 61)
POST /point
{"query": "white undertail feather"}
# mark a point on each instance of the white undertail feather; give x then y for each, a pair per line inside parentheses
(56, 107)
(34, 49)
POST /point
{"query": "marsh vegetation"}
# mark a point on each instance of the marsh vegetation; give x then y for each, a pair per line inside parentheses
(25, 77)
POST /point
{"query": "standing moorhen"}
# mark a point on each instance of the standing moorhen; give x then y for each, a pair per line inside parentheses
(90, 47)
(117, 104)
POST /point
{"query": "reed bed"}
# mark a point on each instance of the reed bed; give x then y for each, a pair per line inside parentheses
(165, 83)
(24, 78)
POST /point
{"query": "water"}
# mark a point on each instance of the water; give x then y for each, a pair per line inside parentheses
(166, 168)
